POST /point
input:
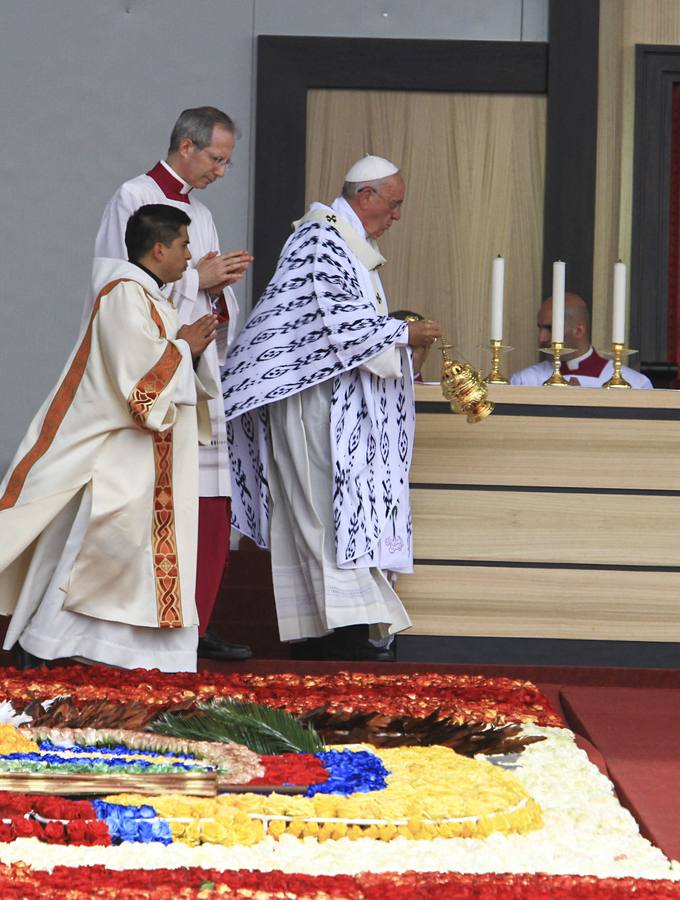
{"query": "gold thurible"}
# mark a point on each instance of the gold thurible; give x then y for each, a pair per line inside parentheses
(495, 376)
(556, 379)
(617, 380)
(464, 388)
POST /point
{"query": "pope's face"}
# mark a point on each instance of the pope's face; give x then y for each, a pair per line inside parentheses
(201, 167)
(379, 208)
(176, 257)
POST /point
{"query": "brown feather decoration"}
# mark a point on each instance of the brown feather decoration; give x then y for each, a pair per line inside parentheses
(64, 713)
(467, 739)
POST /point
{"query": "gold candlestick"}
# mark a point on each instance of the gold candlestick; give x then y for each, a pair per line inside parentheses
(495, 376)
(556, 379)
(617, 380)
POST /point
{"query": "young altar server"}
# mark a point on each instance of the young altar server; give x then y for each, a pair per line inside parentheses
(98, 510)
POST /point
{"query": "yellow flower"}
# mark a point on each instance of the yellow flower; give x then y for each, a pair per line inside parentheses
(192, 834)
(277, 827)
(213, 831)
(13, 741)
(438, 793)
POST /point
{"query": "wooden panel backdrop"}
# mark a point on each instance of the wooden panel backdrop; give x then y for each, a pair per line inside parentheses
(474, 170)
(556, 517)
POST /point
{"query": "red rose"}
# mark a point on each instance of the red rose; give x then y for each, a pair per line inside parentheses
(81, 809)
(26, 828)
(7, 834)
(51, 807)
(53, 833)
(96, 834)
(14, 804)
(76, 831)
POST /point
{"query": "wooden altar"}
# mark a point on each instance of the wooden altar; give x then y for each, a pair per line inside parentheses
(558, 516)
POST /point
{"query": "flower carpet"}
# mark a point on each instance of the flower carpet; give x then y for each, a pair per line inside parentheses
(100, 797)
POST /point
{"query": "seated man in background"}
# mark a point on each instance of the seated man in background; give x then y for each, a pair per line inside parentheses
(98, 511)
(582, 366)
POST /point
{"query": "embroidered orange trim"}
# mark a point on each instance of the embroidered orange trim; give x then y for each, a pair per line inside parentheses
(58, 408)
(164, 539)
(156, 316)
(147, 390)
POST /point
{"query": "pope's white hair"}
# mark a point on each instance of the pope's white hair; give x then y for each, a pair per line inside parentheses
(352, 188)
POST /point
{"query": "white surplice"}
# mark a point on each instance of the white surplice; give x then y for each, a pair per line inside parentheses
(191, 302)
(313, 594)
(98, 511)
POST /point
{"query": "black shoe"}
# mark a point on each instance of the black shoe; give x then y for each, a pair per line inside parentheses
(352, 643)
(211, 646)
(349, 642)
(369, 652)
(25, 660)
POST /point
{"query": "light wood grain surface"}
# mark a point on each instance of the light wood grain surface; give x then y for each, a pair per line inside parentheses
(543, 603)
(569, 396)
(613, 454)
(551, 452)
(608, 516)
(591, 529)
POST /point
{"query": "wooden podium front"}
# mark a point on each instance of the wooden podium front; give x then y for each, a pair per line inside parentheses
(558, 516)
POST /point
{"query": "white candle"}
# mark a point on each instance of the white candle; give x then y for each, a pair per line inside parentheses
(497, 276)
(558, 302)
(619, 310)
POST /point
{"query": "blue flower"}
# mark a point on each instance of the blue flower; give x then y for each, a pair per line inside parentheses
(139, 824)
(350, 772)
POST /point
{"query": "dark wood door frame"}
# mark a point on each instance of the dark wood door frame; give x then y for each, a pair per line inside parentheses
(657, 69)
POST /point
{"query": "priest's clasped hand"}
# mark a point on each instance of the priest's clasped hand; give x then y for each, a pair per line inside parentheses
(423, 334)
(219, 270)
(199, 334)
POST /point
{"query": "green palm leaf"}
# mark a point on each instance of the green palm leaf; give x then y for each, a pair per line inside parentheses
(262, 729)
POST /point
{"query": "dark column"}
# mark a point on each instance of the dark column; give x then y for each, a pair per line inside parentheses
(571, 143)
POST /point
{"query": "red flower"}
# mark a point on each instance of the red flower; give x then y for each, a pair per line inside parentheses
(58, 808)
(27, 828)
(291, 768)
(76, 831)
(96, 834)
(53, 833)
(463, 697)
(80, 884)
(14, 804)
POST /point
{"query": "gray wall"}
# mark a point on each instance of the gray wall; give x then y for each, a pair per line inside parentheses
(90, 89)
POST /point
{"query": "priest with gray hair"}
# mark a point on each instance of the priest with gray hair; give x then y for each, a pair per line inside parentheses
(319, 403)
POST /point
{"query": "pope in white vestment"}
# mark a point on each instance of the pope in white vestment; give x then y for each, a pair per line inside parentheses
(319, 402)
(98, 510)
